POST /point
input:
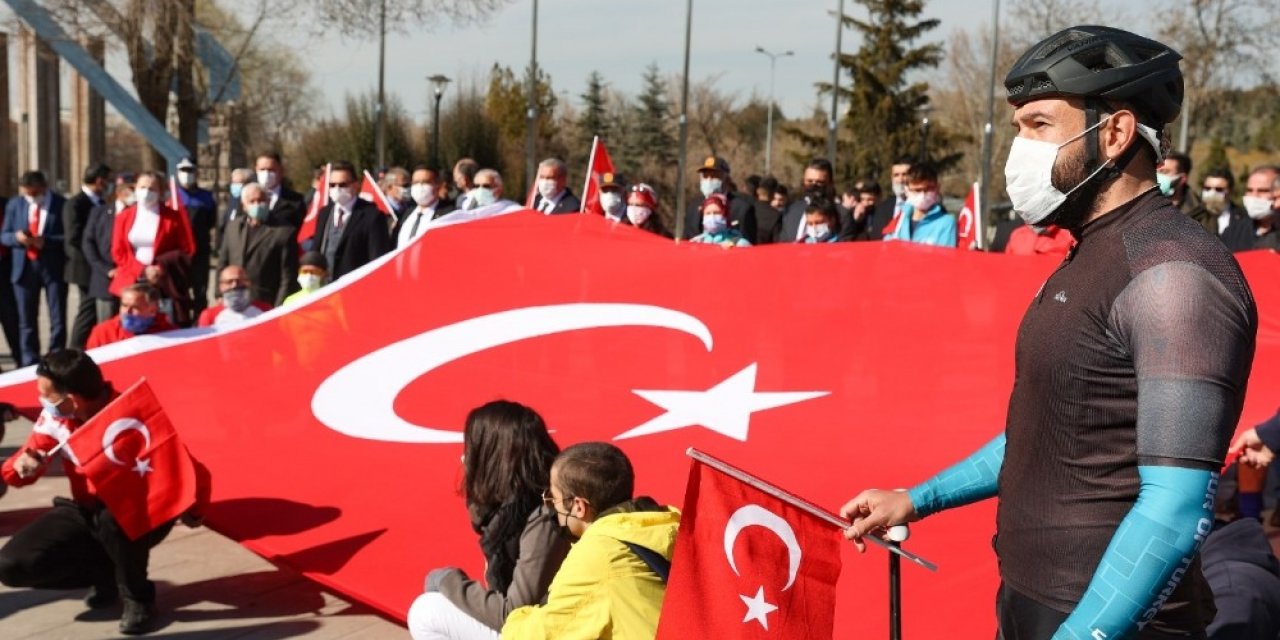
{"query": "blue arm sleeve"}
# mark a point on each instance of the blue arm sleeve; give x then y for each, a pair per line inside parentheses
(968, 481)
(1147, 557)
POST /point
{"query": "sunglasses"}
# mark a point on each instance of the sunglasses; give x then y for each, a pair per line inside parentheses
(1217, 189)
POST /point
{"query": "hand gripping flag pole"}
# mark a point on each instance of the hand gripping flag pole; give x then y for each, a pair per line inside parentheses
(805, 505)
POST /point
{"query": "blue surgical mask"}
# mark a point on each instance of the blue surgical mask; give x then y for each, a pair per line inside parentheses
(237, 299)
(51, 408)
(235, 189)
(137, 325)
(714, 224)
(817, 231)
(1166, 183)
(482, 197)
(258, 211)
(709, 186)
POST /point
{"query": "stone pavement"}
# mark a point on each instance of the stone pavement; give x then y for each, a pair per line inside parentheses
(208, 587)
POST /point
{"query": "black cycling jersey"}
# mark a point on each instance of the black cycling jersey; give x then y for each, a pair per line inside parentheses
(1136, 351)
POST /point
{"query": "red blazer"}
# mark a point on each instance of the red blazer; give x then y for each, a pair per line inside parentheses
(173, 234)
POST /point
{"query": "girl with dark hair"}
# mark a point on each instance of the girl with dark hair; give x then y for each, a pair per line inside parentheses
(507, 456)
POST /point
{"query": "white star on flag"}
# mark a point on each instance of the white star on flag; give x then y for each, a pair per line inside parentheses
(725, 408)
(142, 467)
(758, 609)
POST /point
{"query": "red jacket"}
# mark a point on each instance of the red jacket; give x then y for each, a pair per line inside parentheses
(173, 234)
(111, 331)
(1024, 241)
(48, 432)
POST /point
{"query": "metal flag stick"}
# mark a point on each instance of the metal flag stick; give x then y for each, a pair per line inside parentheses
(802, 504)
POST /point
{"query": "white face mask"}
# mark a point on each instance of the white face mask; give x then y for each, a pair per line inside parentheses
(1258, 208)
(1210, 196)
(1028, 176)
(547, 188)
(817, 231)
(611, 203)
(638, 215)
(309, 281)
(423, 194)
(922, 201)
(187, 179)
(342, 195)
(146, 197)
(482, 197)
(267, 179)
(899, 190)
(709, 186)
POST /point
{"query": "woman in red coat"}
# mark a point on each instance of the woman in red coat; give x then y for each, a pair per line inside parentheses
(152, 242)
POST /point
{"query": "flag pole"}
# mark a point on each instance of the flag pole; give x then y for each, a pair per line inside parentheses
(801, 504)
(591, 163)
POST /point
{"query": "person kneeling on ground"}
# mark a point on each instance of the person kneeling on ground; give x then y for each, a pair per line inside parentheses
(78, 542)
(507, 458)
(612, 582)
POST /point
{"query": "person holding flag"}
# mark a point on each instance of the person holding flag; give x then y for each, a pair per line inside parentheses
(102, 537)
(1131, 363)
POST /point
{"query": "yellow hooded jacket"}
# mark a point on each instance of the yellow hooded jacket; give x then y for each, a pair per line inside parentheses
(603, 589)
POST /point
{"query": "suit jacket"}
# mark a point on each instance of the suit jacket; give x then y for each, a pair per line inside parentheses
(269, 255)
(407, 218)
(767, 221)
(172, 236)
(75, 218)
(289, 211)
(742, 217)
(366, 237)
(882, 215)
(224, 218)
(96, 247)
(53, 257)
(793, 220)
(569, 203)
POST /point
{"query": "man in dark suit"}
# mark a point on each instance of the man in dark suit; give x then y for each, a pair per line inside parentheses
(553, 194)
(201, 211)
(96, 246)
(350, 231)
(424, 191)
(767, 218)
(75, 219)
(239, 178)
(713, 177)
(887, 209)
(33, 229)
(818, 182)
(288, 208)
(269, 255)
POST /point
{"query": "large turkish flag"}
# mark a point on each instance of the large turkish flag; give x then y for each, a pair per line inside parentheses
(333, 427)
(748, 565)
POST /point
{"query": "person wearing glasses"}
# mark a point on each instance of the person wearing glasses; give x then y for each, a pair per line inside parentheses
(1227, 220)
(350, 231)
(506, 462)
(612, 583)
(235, 300)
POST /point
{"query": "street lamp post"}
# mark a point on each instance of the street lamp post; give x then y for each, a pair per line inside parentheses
(381, 127)
(531, 113)
(832, 121)
(768, 140)
(438, 82)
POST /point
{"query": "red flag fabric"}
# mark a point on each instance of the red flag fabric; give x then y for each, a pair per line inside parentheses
(135, 461)
(369, 190)
(599, 165)
(319, 200)
(967, 221)
(893, 222)
(342, 457)
(748, 565)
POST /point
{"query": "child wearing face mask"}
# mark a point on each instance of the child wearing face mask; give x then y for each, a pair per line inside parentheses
(642, 210)
(715, 224)
(313, 273)
(924, 219)
(821, 222)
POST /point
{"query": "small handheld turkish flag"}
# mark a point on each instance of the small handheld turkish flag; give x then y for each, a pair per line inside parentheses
(137, 465)
(748, 565)
(967, 221)
(599, 164)
(369, 190)
(319, 200)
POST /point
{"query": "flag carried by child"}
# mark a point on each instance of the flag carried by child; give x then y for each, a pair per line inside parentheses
(599, 164)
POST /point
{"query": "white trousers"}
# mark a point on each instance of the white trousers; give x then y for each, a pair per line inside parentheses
(433, 617)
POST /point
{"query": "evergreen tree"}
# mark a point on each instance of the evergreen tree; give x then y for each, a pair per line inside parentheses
(506, 105)
(884, 111)
(594, 119)
(652, 132)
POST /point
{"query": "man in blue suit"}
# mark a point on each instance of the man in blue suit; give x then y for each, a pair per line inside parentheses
(33, 228)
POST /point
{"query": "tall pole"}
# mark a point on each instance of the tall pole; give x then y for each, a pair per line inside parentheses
(768, 140)
(531, 115)
(988, 131)
(382, 76)
(833, 119)
(684, 122)
(435, 133)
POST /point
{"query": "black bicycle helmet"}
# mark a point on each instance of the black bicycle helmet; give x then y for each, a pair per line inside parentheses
(1101, 62)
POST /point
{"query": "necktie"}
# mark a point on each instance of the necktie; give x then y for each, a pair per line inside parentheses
(547, 206)
(33, 221)
(413, 231)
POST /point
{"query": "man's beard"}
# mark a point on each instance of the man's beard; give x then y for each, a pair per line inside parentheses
(1067, 174)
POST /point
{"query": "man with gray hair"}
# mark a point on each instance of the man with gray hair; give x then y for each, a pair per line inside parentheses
(1261, 195)
(553, 194)
(239, 178)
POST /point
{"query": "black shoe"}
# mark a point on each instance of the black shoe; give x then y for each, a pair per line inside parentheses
(102, 597)
(138, 617)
